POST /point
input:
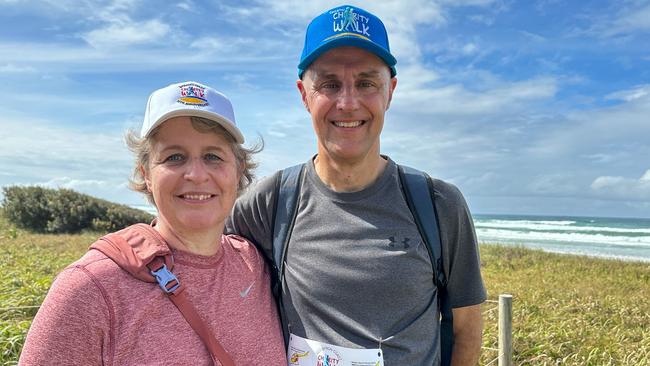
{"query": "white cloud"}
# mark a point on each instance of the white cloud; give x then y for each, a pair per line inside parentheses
(220, 46)
(602, 158)
(554, 184)
(95, 162)
(414, 77)
(39, 148)
(77, 184)
(61, 58)
(632, 20)
(108, 188)
(455, 99)
(480, 3)
(630, 94)
(211, 43)
(621, 130)
(625, 19)
(186, 6)
(451, 50)
(617, 187)
(126, 34)
(469, 49)
(242, 81)
(532, 36)
(13, 69)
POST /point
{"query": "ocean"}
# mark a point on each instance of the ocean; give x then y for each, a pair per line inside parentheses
(619, 238)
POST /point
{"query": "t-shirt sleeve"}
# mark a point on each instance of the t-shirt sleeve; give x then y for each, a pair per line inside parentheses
(460, 249)
(72, 325)
(252, 214)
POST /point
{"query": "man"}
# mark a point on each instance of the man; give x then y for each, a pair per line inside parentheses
(357, 276)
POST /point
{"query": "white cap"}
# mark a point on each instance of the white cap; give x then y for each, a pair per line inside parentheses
(189, 99)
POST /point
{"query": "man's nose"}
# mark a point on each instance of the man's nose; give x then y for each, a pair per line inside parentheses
(348, 99)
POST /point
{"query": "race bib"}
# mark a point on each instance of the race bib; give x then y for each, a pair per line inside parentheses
(305, 352)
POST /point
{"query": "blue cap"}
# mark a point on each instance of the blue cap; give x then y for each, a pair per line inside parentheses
(345, 25)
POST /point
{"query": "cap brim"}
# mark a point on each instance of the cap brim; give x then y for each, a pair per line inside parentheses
(354, 41)
(227, 125)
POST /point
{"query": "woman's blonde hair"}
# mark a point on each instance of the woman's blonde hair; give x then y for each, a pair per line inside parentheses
(141, 148)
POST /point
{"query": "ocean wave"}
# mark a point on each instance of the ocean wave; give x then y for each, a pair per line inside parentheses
(550, 226)
(490, 234)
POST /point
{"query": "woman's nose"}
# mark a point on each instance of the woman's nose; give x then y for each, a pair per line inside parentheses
(196, 170)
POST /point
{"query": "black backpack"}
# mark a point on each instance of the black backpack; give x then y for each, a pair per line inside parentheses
(417, 187)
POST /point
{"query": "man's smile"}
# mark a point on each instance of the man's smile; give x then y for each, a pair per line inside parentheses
(348, 124)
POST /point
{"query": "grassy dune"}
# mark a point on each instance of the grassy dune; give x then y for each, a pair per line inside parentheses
(567, 310)
(28, 264)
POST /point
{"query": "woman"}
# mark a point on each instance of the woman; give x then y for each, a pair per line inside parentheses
(191, 165)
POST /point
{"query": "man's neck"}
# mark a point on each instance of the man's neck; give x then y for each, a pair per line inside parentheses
(347, 176)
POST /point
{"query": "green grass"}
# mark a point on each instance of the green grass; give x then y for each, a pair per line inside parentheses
(28, 264)
(567, 310)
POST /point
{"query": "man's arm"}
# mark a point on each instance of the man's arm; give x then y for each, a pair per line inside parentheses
(252, 215)
(468, 332)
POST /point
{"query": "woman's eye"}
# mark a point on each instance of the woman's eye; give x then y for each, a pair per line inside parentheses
(174, 158)
(212, 157)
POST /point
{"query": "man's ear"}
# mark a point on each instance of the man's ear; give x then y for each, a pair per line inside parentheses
(303, 93)
(391, 88)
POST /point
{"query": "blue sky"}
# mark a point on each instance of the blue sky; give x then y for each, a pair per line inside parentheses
(530, 107)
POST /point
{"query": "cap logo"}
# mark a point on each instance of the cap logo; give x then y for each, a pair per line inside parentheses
(192, 94)
(346, 20)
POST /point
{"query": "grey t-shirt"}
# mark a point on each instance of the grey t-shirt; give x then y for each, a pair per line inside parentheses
(357, 272)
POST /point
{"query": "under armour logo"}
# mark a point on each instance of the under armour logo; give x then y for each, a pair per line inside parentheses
(395, 244)
(406, 243)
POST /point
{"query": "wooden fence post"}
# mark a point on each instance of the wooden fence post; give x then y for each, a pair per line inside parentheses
(505, 330)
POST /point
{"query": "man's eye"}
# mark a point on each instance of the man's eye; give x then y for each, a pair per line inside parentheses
(330, 86)
(366, 84)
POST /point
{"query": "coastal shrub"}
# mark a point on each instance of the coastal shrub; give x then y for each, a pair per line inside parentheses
(47, 210)
(120, 216)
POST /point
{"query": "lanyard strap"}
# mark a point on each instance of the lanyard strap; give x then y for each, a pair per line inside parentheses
(172, 287)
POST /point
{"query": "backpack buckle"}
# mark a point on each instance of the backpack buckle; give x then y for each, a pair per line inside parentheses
(167, 281)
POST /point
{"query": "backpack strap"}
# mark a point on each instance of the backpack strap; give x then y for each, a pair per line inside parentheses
(419, 194)
(122, 252)
(415, 185)
(287, 192)
(175, 291)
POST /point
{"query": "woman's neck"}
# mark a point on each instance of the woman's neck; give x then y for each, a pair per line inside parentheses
(205, 242)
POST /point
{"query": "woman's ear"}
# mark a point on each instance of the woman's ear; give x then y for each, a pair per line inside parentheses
(145, 175)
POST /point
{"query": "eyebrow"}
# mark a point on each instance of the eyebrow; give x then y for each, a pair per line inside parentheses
(323, 75)
(369, 74)
(179, 147)
(320, 75)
